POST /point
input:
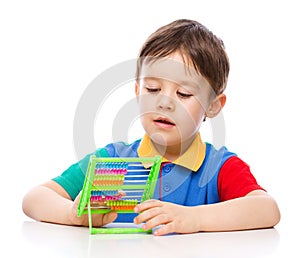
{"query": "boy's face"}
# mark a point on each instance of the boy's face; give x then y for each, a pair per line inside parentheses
(172, 99)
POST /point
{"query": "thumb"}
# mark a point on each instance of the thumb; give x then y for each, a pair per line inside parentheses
(109, 217)
(76, 203)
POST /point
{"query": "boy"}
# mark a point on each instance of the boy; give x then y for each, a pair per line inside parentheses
(182, 72)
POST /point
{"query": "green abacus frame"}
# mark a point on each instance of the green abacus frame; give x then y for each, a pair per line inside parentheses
(84, 206)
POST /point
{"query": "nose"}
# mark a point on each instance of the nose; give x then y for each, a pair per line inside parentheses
(165, 103)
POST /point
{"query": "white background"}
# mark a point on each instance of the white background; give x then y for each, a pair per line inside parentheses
(51, 51)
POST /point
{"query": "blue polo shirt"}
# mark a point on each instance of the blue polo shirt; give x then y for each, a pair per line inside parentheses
(191, 180)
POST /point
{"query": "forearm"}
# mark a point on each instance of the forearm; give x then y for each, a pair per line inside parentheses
(250, 212)
(44, 204)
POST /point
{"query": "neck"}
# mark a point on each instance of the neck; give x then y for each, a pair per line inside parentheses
(173, 152)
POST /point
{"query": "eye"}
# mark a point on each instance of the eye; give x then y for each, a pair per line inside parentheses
(184, 95)
(152, 90)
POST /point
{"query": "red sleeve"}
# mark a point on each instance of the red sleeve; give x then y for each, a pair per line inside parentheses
(235, 179)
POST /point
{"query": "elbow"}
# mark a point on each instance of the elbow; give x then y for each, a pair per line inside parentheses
(271, 213)
(267, 212)
(276, 216)
(25, 205)
(28, 205)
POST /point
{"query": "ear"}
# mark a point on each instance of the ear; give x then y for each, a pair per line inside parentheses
(137, 90)
(216, 106)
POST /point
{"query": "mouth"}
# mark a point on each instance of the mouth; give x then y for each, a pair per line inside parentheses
(164, 122)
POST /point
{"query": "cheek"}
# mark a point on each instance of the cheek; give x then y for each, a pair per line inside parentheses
(198, 115)
(146, 104)
(192, 113)
(190, 119)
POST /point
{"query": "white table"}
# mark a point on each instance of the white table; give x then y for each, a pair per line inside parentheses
(36, 239)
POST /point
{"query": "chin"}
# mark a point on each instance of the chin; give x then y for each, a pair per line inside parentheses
(164, 140)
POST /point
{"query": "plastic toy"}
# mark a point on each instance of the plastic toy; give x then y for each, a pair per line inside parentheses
(117, 184)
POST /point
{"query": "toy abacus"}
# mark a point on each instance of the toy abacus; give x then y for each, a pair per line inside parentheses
(117, 184)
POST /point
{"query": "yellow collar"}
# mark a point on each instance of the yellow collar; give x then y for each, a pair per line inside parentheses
(191, 159)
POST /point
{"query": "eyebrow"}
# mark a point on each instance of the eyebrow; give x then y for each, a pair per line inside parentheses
(181, 82)
(188, 83)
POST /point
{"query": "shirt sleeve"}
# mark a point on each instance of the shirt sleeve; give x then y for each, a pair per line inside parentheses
(236, 180)
(72, 179)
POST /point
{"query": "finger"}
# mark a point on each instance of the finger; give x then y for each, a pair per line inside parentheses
(164, 229)
(161, 219)
(122, 193)
(147, 205)
(147, 215)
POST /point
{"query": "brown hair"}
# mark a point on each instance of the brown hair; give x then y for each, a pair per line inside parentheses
(204, 50)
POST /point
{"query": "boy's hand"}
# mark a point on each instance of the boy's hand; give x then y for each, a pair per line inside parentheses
(172, 217)
(98, 219)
